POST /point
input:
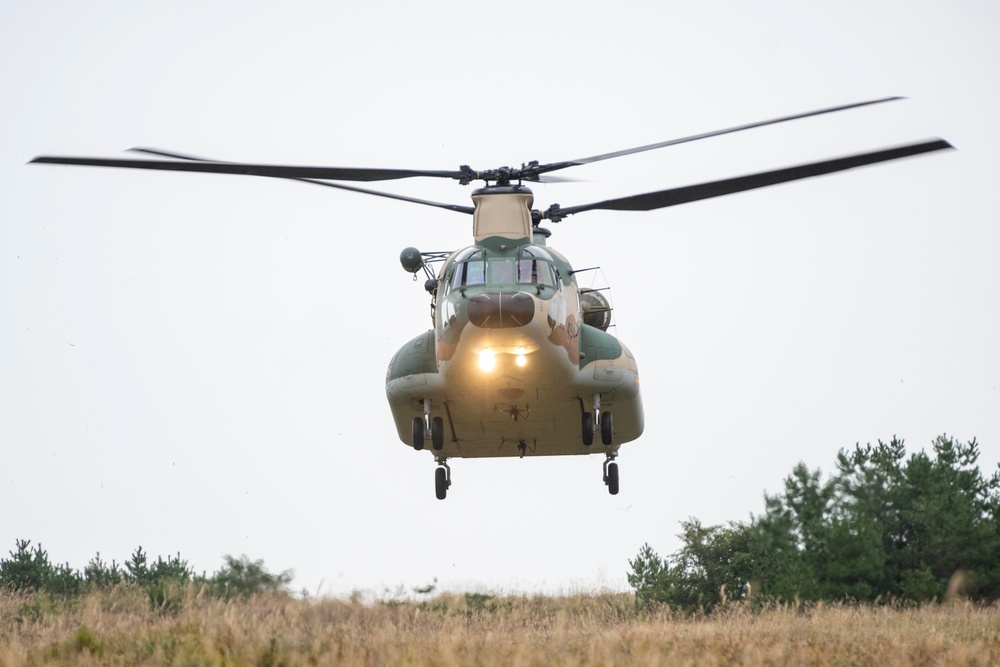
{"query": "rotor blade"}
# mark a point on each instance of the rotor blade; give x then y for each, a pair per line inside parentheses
(275, 171)
(556, 179)
(451, 207)
(541, 169)
(689, 193)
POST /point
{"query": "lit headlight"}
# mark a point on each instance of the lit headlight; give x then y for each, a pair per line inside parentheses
(487, 360)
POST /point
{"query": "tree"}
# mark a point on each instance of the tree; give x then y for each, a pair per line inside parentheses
(886, 526)
(136, 570)
(243, 577)
(713, 567)
(882, 527)
(27, 569)
(99, 575)
(647, 577)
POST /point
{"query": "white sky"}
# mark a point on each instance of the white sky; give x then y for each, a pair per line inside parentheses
(195, 363)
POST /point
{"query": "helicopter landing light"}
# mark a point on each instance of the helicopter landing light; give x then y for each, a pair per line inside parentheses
(487, 360)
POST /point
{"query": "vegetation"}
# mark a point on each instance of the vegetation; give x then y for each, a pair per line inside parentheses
(29, 571)
(118, 627)
(852, 569)
(883, 528)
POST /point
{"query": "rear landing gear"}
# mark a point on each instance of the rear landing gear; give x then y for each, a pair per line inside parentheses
(611, 474)
(442, 479)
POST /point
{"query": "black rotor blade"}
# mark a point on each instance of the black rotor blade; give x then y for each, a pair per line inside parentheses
(275, 171)
(451, 207)
(541, 169)
(689, 193)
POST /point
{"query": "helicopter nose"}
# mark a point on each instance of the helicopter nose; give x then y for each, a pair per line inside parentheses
(501, 310)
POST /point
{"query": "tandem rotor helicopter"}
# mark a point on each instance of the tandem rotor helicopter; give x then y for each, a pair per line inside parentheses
(519, 360)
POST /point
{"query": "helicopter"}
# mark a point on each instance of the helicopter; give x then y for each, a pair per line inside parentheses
(519, 360)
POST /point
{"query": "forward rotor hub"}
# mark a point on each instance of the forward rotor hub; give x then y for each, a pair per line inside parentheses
(502, 176)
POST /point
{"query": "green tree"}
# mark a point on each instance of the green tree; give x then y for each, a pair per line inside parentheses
(713, 567)
(648, 577)
(64, 580)
(882, 527)
(27, 569)
(99, 574)
(136, 570)
(241, 577)
(886, 526)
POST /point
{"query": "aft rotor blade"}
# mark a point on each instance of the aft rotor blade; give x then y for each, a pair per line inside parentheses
(271, 170)
(541, 169)
(451, 207)
(690, 193)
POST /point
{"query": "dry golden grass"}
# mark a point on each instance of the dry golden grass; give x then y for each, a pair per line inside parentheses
(119, 629)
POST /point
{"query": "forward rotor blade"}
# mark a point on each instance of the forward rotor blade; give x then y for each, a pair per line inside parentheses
(274, 171)
(690, 193)
(541, 169)
(451, 207)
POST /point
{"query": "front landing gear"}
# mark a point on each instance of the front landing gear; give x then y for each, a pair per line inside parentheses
(611, 474)
(606, 428)
(426, 423)
(602, 420)
(442, 479)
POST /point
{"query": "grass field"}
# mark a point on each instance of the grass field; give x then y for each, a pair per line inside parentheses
(120, 628)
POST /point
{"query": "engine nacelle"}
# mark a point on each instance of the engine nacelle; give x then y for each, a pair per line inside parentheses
(596, 309)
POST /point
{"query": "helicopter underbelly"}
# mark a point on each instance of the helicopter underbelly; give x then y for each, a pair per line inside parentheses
(531, 408)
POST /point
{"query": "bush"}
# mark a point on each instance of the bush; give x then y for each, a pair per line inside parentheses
(241, 577)
(164, 582)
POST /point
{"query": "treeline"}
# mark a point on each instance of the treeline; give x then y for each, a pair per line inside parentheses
(883, 528)
(29, 570)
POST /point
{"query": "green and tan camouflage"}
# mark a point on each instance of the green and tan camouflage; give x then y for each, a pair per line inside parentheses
(511, 368)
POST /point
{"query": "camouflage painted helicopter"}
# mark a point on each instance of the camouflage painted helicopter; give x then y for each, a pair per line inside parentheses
(519, 360)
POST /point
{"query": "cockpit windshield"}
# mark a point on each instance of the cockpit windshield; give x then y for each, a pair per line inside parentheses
(533, 266)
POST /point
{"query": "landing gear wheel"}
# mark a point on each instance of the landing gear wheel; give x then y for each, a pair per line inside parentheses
(441, 483)
(418, 433)
(437, 433)
(612, 479)
(606, 428)
(588, 429)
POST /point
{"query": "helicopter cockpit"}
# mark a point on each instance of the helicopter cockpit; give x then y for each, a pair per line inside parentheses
(532, 265)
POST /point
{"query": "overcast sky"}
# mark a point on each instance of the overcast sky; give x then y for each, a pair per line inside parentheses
(196, 363)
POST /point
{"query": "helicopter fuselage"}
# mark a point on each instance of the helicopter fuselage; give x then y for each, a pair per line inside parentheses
(511, 366)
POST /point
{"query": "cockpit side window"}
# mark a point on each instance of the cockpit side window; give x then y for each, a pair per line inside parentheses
(533, 271)
(449, 275)
(535, 267)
